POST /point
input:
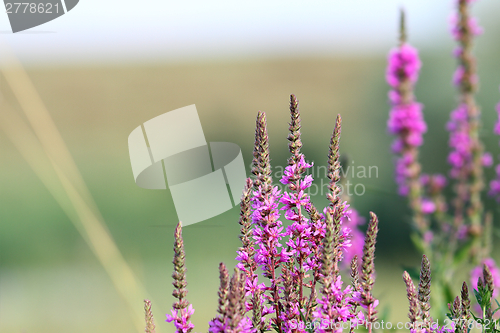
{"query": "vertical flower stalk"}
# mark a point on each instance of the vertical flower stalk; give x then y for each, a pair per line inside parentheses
(334, 165)
(294, 141)
(217, 323)
(411, 294)
(460, 310)
(424, 292)
(246, 252)
(335, 304)
(232, 306)
(300, 232)
(406, 122)
(368, 272)
(182, 310)
(466, 157)
(268, 229)
(337, 209)
(355, 274)
(355, 299)
(261, 164)
(245, 256)
(488, 282)
(150, 323)
(465, 302)
(456, 314)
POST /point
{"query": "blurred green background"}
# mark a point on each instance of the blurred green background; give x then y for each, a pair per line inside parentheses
(49, 279)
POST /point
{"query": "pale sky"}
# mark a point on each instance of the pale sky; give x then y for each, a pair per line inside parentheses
(155, 30)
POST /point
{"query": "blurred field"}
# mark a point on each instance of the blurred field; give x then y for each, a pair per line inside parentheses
(50, 281)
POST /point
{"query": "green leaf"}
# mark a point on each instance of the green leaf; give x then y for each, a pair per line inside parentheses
(475, 317)
(477, 295)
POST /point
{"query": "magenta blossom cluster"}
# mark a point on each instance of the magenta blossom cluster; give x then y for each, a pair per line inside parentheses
(270, 254)
(305, 236)
(268, 231)
(433, 185)
(404, 63)
(460, 157)
(342, 310)
(406, 121)
(181, 319)
(457, 31)
(223, 325)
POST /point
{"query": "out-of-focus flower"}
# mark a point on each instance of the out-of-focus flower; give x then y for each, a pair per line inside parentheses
(477, 272)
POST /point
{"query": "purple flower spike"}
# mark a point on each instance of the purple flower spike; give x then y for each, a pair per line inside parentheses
(406, 121)
(467, 158)
(181, 309)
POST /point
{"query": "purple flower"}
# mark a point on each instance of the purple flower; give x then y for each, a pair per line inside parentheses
(462, 232)
(406, 120)
(439, 181)
(404, 63)
(487, 160)
(495, 184)
(218, 326)
(457, 31)
(181, 317)
(460, 142)
(428, 206)
(294, 172)
(428, 237)
(334, 307)
(459, 76)
(267, 233)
